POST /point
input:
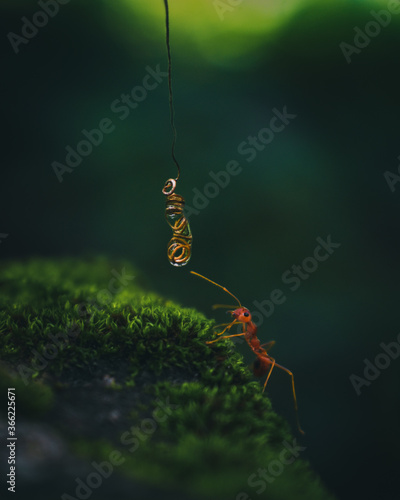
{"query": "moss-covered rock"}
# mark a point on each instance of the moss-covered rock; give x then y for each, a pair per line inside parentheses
(120, 377)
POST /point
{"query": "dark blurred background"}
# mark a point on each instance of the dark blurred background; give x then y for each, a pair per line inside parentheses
(324, 174)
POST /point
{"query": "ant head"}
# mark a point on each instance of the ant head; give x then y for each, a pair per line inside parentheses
(241, 314)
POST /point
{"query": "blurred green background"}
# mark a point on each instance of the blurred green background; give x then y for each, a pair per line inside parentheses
(322, 175)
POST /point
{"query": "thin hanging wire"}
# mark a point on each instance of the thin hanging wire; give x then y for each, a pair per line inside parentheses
(171, 102)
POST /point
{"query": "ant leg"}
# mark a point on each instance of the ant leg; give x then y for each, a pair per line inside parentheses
(227, 327)
(294, 396)
(268, 344)
(269, 374)
(224, 337)
(219, 306)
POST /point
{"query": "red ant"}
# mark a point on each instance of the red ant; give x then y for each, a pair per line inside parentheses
(264, 363)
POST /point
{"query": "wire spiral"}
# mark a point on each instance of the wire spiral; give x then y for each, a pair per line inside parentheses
(180, 245)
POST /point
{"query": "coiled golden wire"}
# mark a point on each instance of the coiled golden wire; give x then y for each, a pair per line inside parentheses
(180, 245)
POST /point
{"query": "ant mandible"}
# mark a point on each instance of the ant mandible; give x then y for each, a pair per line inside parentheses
(264, 363)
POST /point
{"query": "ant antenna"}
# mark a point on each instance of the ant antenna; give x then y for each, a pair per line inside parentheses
(223, 288)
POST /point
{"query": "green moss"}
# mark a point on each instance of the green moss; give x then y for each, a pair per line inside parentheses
(142, 352)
